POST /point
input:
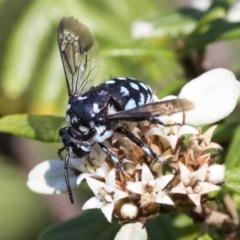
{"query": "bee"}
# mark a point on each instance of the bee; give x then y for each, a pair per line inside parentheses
(93, 115)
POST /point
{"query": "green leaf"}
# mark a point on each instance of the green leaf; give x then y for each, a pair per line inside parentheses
(173, 88)
(216, 30)
(89, 226)
(233, 155)
(42, 128)
(137, 51)
(214, 26)
(161, 228)
(172, 226)
(27, 206)
(216, 13)
(232, 179)
(224, 132)
(205, 237)
(169, 23)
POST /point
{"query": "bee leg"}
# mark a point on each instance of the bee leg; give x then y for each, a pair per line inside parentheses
(155, 120)
(66, 162)
(138, 142)
(60, 152)
(119, 165)
(113, 158)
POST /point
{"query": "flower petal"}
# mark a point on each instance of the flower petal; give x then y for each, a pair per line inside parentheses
(163, 181)
(180, 188)
(119, 195)
(208, 187)
(216, 173)
(195, 198)
(184, 171)
(201, 173)
(132, 231)
(110, 179)
(186, 129)
(92, 203)
(136, 187)
(107, 211)
(163, 198)
(82, 177)
(154, 131)
(214, 94)
(95, 185)
(48, 178)
(146, 174)
(172, 139)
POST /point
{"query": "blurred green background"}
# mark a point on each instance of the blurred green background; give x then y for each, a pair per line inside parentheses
(162, 43)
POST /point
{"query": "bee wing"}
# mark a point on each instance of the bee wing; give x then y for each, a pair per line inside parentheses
(74, 42)
(145, 112)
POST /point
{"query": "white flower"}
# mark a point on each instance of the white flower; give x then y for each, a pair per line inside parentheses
(93, 165)
(216, 173)
(198, 144)
(150, 189)
(175, 129)
(48, 178)
(134, 231)
(214, 94)
(194, 183)
(106, 195)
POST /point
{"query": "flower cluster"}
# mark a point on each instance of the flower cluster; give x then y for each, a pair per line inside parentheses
(140, 187)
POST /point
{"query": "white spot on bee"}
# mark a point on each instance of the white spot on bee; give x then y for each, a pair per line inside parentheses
(148, 98)
(149, 88)
(114, 158)
(91, 123)
(134, 85)
(124, 91)
(111, 109)
(110, 82)
(147, 150)
(130, 104)
(142, 98)
(96, 108)
(82, 98)
(100, 129)
(84, 148)
(74, 119)
(83, 129)
(144, 86)
(121, 78)
(70, 151)
(68, 106)
(102, 134)
(67, 118)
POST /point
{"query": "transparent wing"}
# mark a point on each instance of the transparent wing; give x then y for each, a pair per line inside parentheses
(147, 111)
(74, 42)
